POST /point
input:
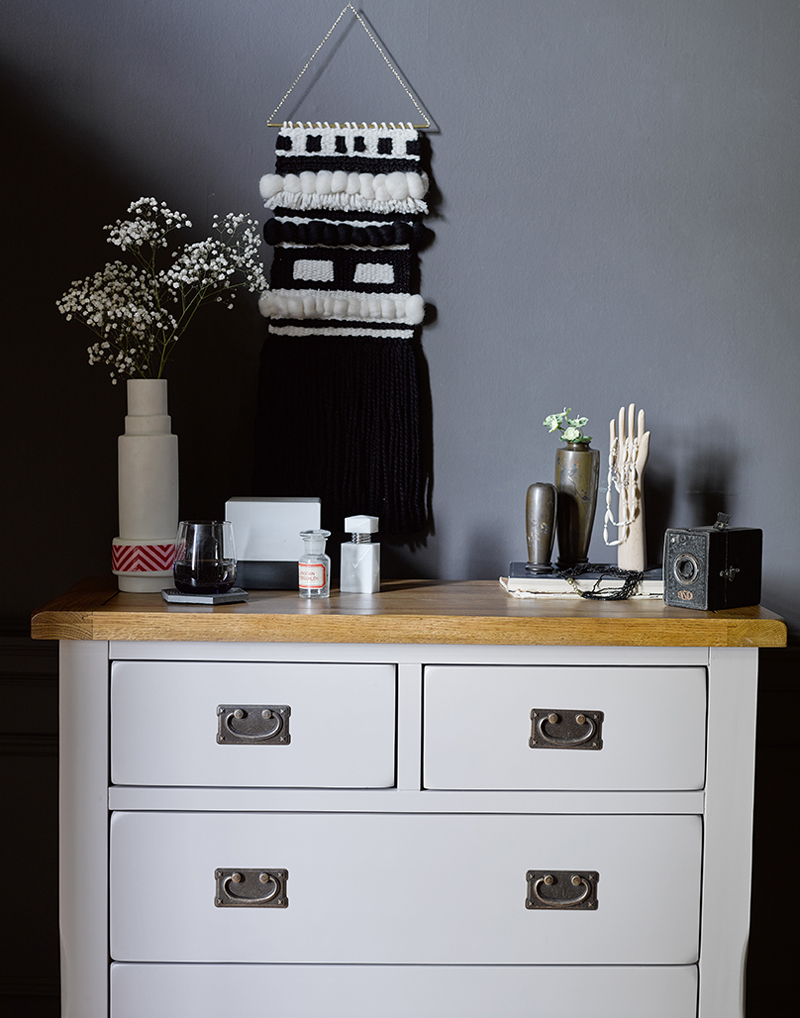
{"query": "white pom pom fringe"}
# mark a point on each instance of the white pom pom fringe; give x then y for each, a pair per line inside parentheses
(361, 192)
(343, 304)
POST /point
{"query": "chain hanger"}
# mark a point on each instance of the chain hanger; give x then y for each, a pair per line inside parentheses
(425, 126)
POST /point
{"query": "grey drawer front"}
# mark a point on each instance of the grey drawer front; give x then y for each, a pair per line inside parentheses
(404, 888)
(479, 726)
(427, 991)
(165, 723)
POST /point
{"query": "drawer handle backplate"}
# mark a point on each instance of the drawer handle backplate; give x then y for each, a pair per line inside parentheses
(251, 888)
(566, 729)
(253, 724)
(562, 889)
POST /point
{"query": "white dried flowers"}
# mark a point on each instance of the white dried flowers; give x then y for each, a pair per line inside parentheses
(139, 311)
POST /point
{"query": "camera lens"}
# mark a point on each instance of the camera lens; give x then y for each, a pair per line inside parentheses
(685, 568)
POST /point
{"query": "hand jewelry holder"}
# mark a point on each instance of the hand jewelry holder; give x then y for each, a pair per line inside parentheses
(628, 453)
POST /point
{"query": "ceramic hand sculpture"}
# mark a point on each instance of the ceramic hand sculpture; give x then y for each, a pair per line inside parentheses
(627, 458)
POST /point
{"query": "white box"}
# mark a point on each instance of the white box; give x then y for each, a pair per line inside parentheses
(267, 536)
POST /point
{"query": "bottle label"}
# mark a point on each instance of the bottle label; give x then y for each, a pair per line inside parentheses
(311, 576)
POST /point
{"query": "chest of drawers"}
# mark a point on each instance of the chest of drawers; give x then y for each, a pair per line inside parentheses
(434, 801)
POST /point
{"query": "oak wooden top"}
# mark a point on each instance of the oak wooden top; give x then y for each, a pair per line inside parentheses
(405, 611)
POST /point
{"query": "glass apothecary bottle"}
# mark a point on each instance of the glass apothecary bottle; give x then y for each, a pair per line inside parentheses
(314, 566)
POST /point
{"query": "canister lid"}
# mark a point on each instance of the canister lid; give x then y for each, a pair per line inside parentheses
(361, 524)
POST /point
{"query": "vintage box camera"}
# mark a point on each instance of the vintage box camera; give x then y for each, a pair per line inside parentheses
(712, 567)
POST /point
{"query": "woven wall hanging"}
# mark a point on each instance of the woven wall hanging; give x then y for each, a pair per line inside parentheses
(341, 402)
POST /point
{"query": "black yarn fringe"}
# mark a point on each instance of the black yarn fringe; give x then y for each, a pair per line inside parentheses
(339, 419)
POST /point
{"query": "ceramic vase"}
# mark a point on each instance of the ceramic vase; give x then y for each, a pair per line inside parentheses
(577, 476)
(143, 554)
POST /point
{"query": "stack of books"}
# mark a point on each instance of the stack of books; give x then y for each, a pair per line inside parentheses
(522, 583)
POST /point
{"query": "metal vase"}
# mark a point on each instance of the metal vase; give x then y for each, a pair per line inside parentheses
(577, 476)
(540, 525)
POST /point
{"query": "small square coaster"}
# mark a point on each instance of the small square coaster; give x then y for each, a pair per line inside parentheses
(232, 596)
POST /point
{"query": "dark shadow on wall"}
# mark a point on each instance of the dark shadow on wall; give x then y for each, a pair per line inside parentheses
(61, 417)
(59, 507)
(774, 936)
(659, 495)
(710, 479)
(59, 446)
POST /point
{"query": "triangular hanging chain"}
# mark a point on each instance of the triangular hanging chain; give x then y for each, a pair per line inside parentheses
(425, 126)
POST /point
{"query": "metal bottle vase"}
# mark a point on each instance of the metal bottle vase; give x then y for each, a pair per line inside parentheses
(540, 525)
(577, 477)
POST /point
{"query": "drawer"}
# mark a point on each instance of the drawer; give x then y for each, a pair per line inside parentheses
(165, 723)
(404, 889)
(344, 991)
(478, 728)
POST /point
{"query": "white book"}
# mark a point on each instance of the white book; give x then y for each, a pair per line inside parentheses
(521, 582)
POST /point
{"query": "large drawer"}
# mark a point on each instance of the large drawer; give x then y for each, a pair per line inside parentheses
(403, 991)
(165, 721)
(405, 889)
(479, 726)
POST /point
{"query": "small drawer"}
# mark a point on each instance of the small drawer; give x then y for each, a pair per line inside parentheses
(401, 991)
(404, 889)
(253, 724)
(578, 728)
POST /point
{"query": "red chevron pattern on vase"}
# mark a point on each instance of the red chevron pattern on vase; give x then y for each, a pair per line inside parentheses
(142, 558)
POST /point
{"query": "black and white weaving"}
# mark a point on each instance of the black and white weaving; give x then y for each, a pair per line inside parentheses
(339, 399)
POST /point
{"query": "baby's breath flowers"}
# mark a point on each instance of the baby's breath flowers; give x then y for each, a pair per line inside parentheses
(571, 428)
(139, 311)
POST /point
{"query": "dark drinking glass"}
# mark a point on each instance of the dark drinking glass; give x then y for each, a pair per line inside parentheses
(205, 558)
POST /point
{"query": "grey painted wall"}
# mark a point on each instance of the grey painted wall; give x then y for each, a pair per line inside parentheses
(619, 223)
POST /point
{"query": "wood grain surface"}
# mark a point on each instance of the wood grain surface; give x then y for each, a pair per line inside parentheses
(404, 611)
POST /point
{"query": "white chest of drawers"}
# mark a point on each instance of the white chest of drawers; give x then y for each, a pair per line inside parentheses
(434, 801)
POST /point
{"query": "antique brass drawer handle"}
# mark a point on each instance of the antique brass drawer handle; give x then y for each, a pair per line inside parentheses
(263, 724)
(253, 881)
(566, 729)
(560, 884)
